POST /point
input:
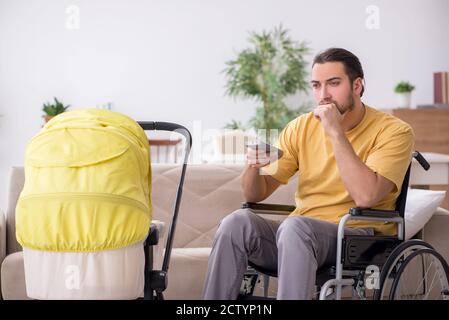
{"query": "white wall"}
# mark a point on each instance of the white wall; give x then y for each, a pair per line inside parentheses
(162, 59)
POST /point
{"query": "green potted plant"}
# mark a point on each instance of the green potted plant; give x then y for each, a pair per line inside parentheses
(403, 92)
(53, 109)
(270, 69)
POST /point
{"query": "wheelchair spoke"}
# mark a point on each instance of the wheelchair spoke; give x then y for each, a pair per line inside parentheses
(433, 281)
(393, 264)
(424, 278)
(430, 286)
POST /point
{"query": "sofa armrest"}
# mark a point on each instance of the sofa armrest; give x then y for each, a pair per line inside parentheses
(15, 186)
(441, 212)
(436, 232)
(2, 236)
(2, 242)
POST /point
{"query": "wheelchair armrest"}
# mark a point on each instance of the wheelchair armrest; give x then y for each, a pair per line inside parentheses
(373, 213)
(268, 208)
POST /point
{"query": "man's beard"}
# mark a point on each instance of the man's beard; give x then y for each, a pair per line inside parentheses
(347, 106)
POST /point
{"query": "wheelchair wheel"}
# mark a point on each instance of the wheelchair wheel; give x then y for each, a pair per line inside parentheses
(394, 261)
(422, 276)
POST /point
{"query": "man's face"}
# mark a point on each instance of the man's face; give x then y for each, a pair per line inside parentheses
(331, 85)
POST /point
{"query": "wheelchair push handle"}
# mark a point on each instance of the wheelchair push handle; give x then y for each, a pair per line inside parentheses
(421, 160)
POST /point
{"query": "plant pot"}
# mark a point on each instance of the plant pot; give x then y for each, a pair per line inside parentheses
(47, 118)
(403, 100)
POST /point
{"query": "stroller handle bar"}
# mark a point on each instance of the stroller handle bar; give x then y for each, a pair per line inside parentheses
(174, 127)
(167, 126)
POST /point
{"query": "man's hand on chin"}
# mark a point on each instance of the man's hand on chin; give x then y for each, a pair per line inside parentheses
(330, 117)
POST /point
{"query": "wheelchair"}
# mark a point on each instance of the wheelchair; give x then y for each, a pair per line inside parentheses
(386, 267)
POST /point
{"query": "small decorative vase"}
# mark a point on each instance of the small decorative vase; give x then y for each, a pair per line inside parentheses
(403, 100)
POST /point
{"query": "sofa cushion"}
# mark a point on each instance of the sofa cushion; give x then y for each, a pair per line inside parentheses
(13, 277)
(208, 195)
(211, 191)
(187, 273)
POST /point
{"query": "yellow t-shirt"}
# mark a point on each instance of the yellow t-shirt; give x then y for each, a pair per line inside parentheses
(383, 142)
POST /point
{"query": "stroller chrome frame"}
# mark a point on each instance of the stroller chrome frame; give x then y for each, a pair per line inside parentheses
(156, 280)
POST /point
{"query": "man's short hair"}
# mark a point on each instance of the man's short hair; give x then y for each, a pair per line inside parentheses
(352, 65)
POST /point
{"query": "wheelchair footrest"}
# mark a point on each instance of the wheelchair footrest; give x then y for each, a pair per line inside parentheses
(362, 251)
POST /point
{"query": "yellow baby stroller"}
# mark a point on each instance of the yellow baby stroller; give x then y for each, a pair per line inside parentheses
(84, 214)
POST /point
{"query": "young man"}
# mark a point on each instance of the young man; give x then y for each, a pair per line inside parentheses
(347, 154)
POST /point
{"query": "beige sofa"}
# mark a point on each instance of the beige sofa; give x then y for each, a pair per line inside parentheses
(210, 193)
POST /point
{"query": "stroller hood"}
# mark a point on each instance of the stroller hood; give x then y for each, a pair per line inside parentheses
(87, 184)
